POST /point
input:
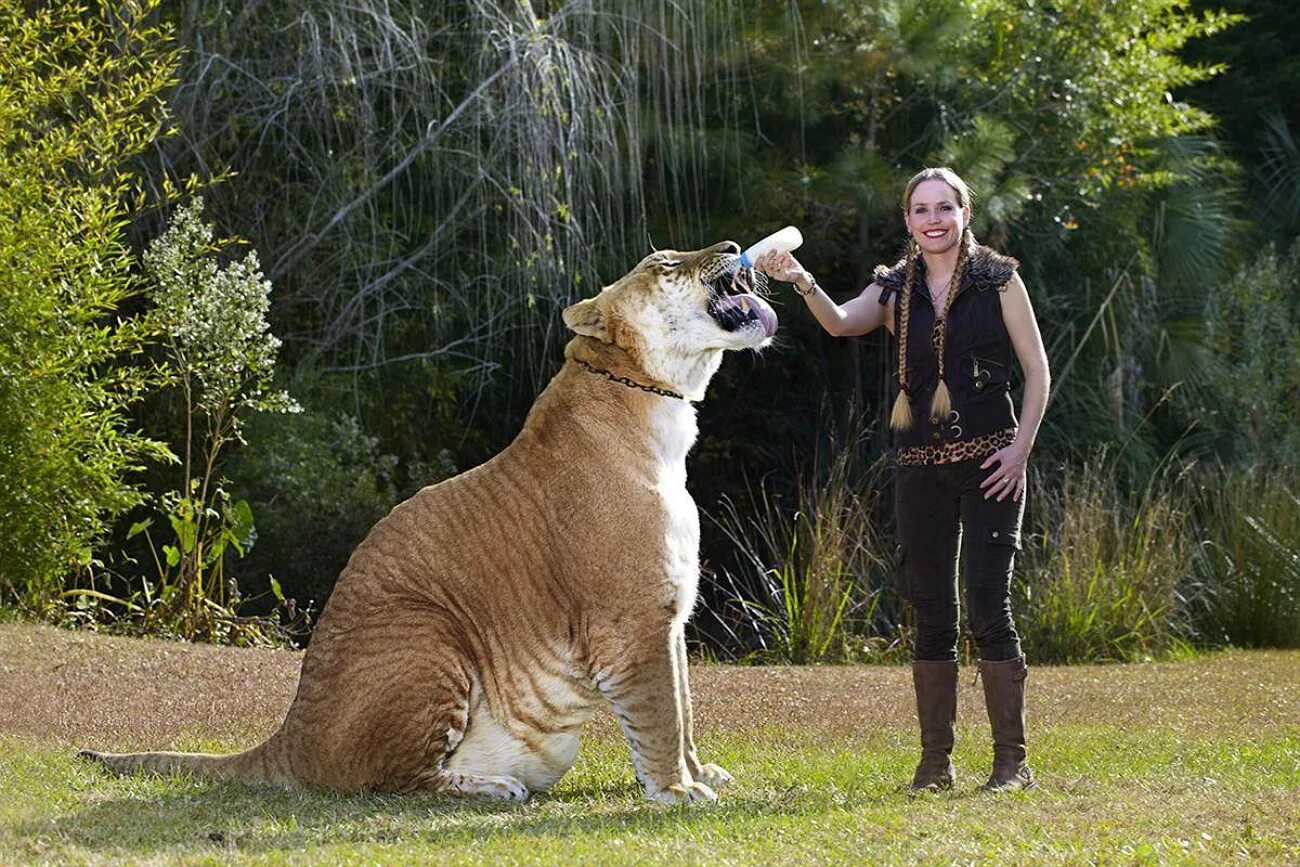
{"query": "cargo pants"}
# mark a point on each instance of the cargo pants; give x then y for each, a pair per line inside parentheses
(944, 521)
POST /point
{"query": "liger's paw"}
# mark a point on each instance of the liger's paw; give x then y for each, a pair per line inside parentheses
(684, 793)
(499, 788)
(712, 775)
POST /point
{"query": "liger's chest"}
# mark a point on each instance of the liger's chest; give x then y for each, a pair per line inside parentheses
(679, 517)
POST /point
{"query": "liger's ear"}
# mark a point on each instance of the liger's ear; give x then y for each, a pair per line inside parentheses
(586, 318)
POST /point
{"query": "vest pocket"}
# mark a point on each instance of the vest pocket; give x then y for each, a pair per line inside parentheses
(986, 373)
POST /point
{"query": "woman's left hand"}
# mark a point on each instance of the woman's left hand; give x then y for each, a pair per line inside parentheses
(1009, 477)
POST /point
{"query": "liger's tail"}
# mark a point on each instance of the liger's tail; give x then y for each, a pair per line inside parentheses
(250, 766)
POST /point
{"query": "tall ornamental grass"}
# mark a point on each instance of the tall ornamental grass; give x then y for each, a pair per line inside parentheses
(1105, 571)
(809, 582)
(1109, 573)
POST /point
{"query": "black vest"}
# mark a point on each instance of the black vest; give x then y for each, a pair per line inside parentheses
(977, 356)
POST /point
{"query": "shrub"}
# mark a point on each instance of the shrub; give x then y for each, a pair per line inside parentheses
(317, 484)
(1254, 323)
(80, 97)
(218, 351)
(1250, 563)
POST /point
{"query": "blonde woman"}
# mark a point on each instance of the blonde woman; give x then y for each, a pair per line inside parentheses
(958, 313)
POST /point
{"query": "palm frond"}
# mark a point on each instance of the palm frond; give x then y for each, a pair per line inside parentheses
(1281, 171)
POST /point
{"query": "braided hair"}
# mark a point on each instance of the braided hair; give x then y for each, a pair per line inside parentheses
(902, 418)
(941, 404)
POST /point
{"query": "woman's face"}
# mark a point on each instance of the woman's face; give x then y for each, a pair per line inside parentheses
(934, 217)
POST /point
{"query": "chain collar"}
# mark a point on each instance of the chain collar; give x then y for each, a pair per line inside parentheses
(623, 380)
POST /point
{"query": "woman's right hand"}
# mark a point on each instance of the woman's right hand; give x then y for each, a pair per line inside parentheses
(782, 266)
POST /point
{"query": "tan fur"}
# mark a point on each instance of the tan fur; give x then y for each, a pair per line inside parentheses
(478, 625)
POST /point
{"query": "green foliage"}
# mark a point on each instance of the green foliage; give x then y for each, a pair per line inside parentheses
(1281, 169)
(435, 180)
(1254, 104)
(1087, 87)
(1045, 109)
(430, 176)
(219, 352)
(80, 98)
(317, 484)
(189, 596)
(1253, 391)
(213, 320)
(1250, 564)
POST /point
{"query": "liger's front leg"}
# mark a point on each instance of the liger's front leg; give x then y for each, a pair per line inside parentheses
(643, 683)
(710, 774)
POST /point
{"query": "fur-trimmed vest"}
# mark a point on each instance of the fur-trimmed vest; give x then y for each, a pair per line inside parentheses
(977, 358)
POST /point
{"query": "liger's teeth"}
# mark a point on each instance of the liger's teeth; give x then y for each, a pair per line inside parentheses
(744, 305)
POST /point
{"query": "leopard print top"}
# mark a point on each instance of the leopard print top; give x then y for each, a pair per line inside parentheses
(961, 450)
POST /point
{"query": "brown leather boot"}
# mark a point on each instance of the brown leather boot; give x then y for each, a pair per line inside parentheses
(936, 708)
(1004, 695)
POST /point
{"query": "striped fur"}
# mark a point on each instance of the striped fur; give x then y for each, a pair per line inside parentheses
(478, 625)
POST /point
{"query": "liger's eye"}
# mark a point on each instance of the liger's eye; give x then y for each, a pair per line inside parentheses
(671, 263)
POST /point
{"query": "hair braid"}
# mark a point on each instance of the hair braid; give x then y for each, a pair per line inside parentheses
(941, 404)
(901, 417)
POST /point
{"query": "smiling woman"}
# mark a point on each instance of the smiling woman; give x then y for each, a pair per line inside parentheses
(959, 313)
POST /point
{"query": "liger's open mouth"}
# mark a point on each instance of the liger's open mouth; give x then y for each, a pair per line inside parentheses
(735, 303)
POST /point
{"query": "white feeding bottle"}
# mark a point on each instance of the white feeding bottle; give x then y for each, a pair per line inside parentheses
(783, 241)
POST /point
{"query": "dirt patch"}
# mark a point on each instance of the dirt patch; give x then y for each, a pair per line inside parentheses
(128, 693)
(1237, 691)
(122, 693)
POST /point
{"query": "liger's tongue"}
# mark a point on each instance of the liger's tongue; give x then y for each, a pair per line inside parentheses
(736, 310)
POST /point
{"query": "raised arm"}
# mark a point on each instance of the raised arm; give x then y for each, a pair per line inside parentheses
(853, 318)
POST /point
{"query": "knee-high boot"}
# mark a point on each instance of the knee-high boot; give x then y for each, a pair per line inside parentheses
(936, 709)
(1004, 695)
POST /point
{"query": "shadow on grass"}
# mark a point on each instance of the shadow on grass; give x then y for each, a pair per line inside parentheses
(197, 816)
(136, 817)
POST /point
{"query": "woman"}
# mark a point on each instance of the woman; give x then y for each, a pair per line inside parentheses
(957, 312)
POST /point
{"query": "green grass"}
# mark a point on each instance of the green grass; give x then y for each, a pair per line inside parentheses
(1107, 795)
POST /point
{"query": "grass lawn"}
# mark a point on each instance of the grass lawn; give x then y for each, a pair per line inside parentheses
(1195, 761)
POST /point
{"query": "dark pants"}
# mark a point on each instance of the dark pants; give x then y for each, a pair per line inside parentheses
(942, 514)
